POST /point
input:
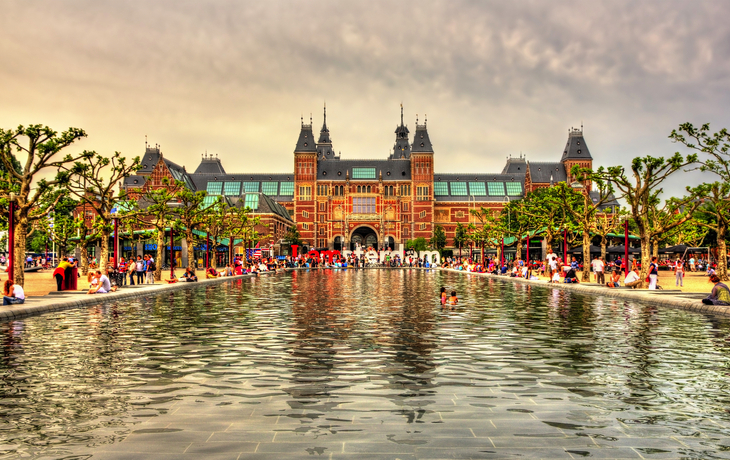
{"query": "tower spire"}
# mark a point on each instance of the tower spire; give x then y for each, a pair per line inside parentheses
(401, 114)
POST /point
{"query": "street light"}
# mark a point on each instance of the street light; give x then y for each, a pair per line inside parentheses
(11, 237)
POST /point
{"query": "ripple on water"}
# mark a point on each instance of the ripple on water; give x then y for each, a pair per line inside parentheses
(363, 357)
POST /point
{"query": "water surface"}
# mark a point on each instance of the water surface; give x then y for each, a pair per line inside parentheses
(361, 364)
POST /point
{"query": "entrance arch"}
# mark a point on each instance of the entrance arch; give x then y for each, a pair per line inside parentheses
(365, 236)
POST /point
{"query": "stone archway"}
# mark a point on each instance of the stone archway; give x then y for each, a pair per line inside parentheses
(364, 236)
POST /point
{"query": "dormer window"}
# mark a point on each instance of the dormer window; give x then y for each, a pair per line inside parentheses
(578, 151)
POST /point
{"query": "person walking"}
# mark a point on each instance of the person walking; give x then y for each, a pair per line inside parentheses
(140, 266)
(131, 270)
(653, 274)
(679, 273)
(598, 269)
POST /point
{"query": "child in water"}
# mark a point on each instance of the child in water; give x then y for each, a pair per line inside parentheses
(443, 296)
(452, 300)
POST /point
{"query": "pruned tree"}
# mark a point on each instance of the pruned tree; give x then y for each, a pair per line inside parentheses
(514, 222)
(243, 225)
(36, 147)
(192, 211)
(438, 239)
(583, 208)
(641, 187)
(547, 214)
(93, 181)
(486, 230)
(715, 149)
(461, 236)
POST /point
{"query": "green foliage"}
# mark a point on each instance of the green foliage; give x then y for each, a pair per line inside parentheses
(292, 236)
(438, 240)
(418, 244)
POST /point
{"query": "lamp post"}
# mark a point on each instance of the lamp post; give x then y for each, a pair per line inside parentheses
(626, 244)
(565, 245)
(172, 255)
(11, 238)
(509, 225)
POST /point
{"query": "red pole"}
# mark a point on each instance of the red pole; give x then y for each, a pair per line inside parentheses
(11, 242)
(116, 243)
(528, 249)
(565, 245)
(172, 256)
(626, 245)
(207, 250)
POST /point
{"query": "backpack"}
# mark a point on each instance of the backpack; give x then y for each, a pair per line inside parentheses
(153, 267)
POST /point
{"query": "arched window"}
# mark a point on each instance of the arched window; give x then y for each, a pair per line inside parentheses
(368, 189)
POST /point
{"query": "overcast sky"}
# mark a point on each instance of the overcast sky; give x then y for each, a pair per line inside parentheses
(495, 78)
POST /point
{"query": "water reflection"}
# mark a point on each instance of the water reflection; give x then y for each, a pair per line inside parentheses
(370, 355)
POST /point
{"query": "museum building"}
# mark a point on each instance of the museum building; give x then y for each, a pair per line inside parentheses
(377, 203)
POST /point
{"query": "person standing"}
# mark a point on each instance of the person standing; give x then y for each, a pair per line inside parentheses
(150, 269)
(598, 269)
(123, 270)
(679, 273)
(140, 266)
(653, 274)
(692, 264)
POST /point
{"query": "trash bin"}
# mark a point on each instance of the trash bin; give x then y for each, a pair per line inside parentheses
(70, 283)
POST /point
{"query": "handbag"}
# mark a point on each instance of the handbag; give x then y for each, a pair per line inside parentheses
(647, 278)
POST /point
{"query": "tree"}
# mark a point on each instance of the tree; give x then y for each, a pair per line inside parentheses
(419, 244)
(641, 189)
(40, 150)
(60, 226)
(515, 223)
(191, 210)
(461, 236)
(583, 209)
(608, 223)
(217, 224)
(547, 214)
(243, 225)
(93, 180)
(153, 209)
(487, 231)
(438, 240)
(292, 236)
(716, 159)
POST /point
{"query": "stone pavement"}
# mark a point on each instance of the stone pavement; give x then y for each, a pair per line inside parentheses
(57, 301)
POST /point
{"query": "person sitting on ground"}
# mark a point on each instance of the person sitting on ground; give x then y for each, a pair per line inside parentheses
(13, 293)
(632, 280)
(614, 280)
(211, 273)
(103, 284)
(720, 294)
(453, 300)
(570, 276)
(189, 275)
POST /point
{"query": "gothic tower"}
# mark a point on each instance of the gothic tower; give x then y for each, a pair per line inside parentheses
(305, 173)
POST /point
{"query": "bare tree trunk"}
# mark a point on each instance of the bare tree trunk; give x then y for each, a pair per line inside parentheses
(721, 253)
(586, 257)
(192, 263)
(160, 248)
(518, 255)
(645, 258)
(104, 259)
(604, 242)
(19, 250)
(655, 249)
(84, 250)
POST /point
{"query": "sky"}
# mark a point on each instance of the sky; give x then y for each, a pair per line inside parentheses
(494, 78)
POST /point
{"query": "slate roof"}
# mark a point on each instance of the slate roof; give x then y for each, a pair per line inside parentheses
(515, 166)
(393, 170)
(576, 148)
(421, 141)
(477, 177)
(401, 148)
(134, 181)
(267, 205)
(201, 182)
(210, 165)
(540, 172)
(306, 143)
(149, 160)
(179, 174)
(612, 202)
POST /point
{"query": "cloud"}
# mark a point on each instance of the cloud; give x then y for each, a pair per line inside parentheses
(495, 78)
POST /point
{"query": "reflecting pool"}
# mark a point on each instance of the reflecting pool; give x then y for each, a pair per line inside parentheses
(366, 364)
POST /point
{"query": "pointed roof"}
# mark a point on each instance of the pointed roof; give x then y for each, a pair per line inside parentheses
(402, 147)
(306, 143)
(210, 165)
(576, 148)
(421, 141)
(149, 160)
(324, 133)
